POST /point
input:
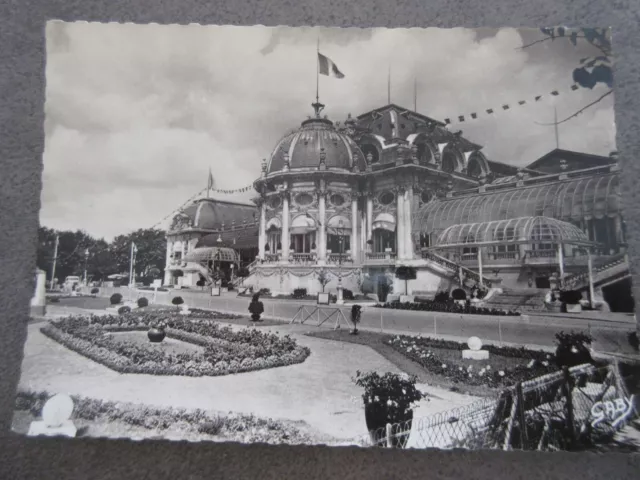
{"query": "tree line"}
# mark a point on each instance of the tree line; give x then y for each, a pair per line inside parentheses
(77, 249)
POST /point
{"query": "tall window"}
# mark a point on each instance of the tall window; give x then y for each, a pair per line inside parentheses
(273, 241)
(470, 251)
(334, 243)
(383, 239)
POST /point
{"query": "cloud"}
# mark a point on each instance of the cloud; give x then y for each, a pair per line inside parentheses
(137, 114)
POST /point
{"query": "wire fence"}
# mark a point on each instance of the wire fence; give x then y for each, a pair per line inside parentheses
(573, 409)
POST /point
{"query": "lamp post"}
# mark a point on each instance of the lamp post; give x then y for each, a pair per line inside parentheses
(86, 257)
(340, 231)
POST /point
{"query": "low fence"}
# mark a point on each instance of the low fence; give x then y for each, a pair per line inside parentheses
(537, 330)
(573, 409)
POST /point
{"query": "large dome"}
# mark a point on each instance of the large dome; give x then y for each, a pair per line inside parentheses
(304, 147)
(211, 214)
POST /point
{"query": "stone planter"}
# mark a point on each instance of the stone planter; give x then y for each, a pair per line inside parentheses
(554, 307)
(377, 417)
(573, 308)
(156, 335)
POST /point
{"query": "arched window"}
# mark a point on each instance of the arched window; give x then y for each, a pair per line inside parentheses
(473, 169)
(424, 153)
(367, 149)
(449, 161)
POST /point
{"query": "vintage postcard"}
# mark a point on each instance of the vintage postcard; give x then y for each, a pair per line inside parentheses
(385, 238)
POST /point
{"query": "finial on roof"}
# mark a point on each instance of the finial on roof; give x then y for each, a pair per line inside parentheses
(317, 107)
(563, 164)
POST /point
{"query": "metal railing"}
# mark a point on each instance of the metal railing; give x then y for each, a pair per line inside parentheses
(571, 409)
(455, 267)
(615, 266)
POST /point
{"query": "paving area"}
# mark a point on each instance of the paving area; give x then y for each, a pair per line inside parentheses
(318, 392)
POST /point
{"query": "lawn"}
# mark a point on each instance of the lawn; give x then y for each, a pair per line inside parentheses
(440, 363)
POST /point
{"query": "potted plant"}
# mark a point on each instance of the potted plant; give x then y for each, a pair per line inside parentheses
(406, 273)
(573, 349)
(571, 301)
(256, 307)
(156, 333)
(356, 313)
(388, 399)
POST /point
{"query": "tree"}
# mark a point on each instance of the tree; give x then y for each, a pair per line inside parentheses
(593, 70)
(406, 273)
(152, 247)
(323, 279)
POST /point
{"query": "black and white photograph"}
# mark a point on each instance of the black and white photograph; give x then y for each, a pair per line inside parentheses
(381, 238)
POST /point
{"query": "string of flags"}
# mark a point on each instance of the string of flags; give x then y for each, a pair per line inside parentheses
(506, 106)
(237, 190)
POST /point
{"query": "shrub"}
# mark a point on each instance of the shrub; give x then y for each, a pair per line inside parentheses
(299, 293)
(256, 308)
(442, 297)
(124, 309)
(154, 272)
(115, 299)
(177, 301)
(459, 294)
(449, 307)
(143, 302)
(356, 313)
(333, 298)
(243, 272)
(95, 290)
(264, 291)
(634, 341)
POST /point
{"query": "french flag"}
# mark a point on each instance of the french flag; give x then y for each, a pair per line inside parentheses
(328, 68)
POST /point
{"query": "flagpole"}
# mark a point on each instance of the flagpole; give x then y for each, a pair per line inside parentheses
(415, 94)
(131, 267)
(555, 124)
(318, 70)
(389, 85)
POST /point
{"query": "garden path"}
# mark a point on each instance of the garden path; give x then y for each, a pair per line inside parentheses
(318, 392)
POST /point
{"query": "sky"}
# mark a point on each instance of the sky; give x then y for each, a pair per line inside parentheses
(136, 115)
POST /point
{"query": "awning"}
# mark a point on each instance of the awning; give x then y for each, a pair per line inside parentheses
(384, 221)
(302, 225)
(273, 224)
(339, 225)
(219, 254)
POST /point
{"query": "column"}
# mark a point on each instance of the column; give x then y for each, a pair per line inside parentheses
(408, 228)
(590, 273)
(322, 229)
(480, 266)
(400, 225)
(285, 228)
(263, 230)
(617, 226)
(354, 229)
(363, 236)
(561, 260)
(369, 221)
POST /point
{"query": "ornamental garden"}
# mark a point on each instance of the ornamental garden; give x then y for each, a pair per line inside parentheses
(136, 338)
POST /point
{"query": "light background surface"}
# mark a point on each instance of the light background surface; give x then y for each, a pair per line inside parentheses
(22, 91)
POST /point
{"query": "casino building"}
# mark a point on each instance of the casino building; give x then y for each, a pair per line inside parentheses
(393, 187)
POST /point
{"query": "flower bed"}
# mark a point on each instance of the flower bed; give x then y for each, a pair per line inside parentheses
(232, 427)
(506, 365)
(446, 307)
(225, 351)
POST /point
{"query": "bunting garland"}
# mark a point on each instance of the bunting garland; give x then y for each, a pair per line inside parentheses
(507, 106)
(237, 190)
